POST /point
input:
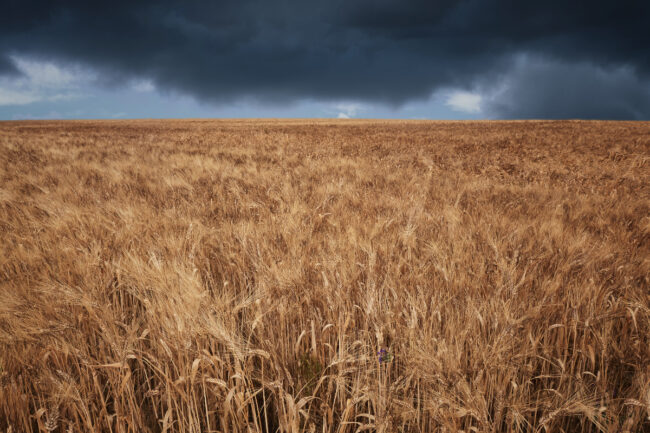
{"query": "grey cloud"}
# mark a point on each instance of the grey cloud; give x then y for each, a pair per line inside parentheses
(384, 51)
(7, 66)
(543, 88)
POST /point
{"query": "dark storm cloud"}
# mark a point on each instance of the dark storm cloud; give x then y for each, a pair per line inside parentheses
(7, 66)
(558, 90)
(388, 51)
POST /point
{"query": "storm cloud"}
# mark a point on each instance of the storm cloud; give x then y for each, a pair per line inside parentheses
(7, 67)
(550, 89)
(390, 52)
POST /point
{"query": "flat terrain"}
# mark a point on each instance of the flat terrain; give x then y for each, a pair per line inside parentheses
(241, 276)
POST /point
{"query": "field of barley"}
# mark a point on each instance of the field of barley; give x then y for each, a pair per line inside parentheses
(324, 276)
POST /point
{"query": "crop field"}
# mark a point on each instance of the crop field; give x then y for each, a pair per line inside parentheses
(324, 276)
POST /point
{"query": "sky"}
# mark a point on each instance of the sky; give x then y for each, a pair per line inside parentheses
(446, 59)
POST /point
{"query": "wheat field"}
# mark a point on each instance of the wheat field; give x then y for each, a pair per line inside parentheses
(324, 276)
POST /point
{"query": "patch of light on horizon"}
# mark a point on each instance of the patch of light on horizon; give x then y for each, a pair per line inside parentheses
(466, 102)
(13, 97)
(42, 81)
(347, 110)
(143, 86)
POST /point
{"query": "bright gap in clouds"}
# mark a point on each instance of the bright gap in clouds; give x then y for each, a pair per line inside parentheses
(347, 110)
(42, 81)
(466, 102)
(143, 86)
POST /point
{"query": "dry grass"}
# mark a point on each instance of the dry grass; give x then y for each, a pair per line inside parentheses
(235, 276)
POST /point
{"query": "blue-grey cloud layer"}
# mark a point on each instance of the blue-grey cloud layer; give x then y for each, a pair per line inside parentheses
(378, 51)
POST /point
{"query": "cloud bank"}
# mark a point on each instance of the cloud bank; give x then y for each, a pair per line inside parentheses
(553, 58)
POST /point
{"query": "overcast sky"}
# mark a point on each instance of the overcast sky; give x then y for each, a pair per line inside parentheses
(467, 59)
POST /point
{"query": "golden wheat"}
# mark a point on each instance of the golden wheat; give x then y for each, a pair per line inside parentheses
(235, 276)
